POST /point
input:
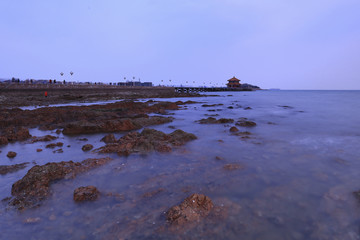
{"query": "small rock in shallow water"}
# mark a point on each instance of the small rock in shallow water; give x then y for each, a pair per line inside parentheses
(39, 150)
(54, 145)
(87, 147)
(191, 209)
(234, 129)
(110, 138)
(11, 154)
(88, 193)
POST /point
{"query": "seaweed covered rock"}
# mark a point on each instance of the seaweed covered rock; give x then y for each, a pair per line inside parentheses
(191, 209)
(88, 193)
(35, 185)
(11, 154)
(87, 147)
(5, 169)
(212, 120)
(146, 141)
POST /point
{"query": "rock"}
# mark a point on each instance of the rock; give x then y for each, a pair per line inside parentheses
(230, 107)
(88, 193)
(34, 187)
(146, 141)
(211, 120)
(83, 139)
(54, 145)
(219, 158)
(87, 147)
(248, 108)
(58, 131)
(16, 134)
(3, 140)
(192, 209)
(233, 166)
(153, 193)
(11, 154)
(246, 123)
(5, 169)
(211, 105)
(46, 138)
(110, 138)
(39, 150)
(58, 150)
(234, 129)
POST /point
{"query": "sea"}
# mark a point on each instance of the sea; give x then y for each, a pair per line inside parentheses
(300, 167)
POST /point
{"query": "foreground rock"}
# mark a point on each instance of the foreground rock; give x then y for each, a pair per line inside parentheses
(146, 141)
(11, 154)
(245, 123)
(13, 134)
(34, 187)
(192, 209)
(88, 193)
(5, 169)
(87, 147)
(211, 120)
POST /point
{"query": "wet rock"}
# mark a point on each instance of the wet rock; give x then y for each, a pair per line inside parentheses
(153, 193)
(5, 169)
(87, 147)
(219, 158)
(83, 139)
(146, 141)
(16, 134)
(233, 129)
(58, 150)
(11, 154)
(230, 107)
(211, 105)
(233, 166)
(192, 209)
(110, 138)
(54, 145)
(248, 108)
(34, 187)
(245, 123)
(46, 138)
(39, 150)
(88, 193)
(211, 120)
(58, 131)
(3, 140)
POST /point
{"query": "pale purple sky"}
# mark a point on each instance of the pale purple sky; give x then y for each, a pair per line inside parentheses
(307, 44)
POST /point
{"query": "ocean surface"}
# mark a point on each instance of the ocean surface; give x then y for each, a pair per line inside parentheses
(301, 165)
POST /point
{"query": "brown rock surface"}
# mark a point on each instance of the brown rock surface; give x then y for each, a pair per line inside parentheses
(11, 154)
(191, 209)
(5, 169)
(46, 138)
(54, 145)
(246, 123)
(34, 187)
(146, 141)
(88, 193)
(233, 129)
(110, 138)
(87, 147)
(211, 120)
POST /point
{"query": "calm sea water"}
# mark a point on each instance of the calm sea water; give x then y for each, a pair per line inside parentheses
(302, 165)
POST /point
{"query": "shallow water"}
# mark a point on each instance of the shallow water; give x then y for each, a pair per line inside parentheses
(301, 167)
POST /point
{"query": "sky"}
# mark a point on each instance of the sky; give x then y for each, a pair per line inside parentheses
(303, 44)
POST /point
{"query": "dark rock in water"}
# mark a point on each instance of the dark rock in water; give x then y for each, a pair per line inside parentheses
(11, 154)
(192, 209)
(87, 147)
(58, 151)
(234, 129)
(12, 134)
(34, 187)
(146, 141)
(230, 107)
(357, 195)
(3, 140)
(117, 125)
(233, 166)
(5, 169)
(83, 139)
(110, 138)
(88, 193)
(39, 150)
(211, 105)
(58, 131)
(246, 123)
(248, 108)
(211, 120)
(219, 158)
(54, 145)
(46, 138)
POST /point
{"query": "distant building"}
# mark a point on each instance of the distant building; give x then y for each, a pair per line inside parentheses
(233, 83)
